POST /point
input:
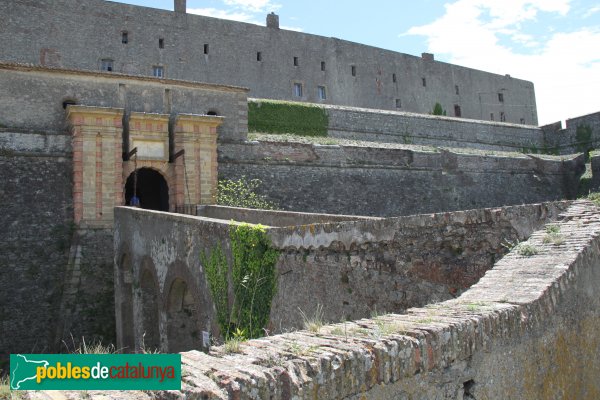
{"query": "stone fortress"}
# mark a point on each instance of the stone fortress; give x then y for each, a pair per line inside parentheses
(85, 123)
(274, 63)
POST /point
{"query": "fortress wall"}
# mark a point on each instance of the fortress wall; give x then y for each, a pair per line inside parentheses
(34, 98)
(57, 280)
(273, 218)
(37, 225)
(410, 128)
(579, 135)
(350, 268)
(387, 181)
(358, 268)
(526, 330)
(79, 34)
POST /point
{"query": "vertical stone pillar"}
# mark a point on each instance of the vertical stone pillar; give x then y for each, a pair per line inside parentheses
(97, 148)
(196, 171)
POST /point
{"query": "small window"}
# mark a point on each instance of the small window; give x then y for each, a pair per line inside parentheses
(394, 78)
(124, 37)
(161, 43)
(491, 116)
(322, 65)
(158, 71)
(456, 89)
(424, 82)
(353, 70)
(298, 89)
(501, 97)
(258, 56)
(212, 112)
(322, 92)
(457, 112)
(205, 48)
(107, 65)
(295, 61)
(522, 120)
(502, 117)
(398, 103)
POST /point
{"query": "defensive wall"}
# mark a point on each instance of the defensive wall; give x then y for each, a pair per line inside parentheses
(61, 151)
(386, 126)
(35, 98)
(351, 268)
(580, 134)
(274, 63)
(526, 330)
(390, 181)
(40, 167)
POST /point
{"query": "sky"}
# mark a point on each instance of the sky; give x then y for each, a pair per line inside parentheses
(553, 43)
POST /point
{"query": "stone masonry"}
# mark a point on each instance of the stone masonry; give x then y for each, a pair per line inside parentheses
(349, 268)
(268, 60)
(526, 330)
(391, 180)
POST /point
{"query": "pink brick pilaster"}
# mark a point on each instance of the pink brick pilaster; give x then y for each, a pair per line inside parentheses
(197, 135)
(97, 138)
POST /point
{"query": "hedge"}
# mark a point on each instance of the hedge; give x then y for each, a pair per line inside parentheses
(270, 116)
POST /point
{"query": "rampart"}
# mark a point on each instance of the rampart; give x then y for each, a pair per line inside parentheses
(397, 180)
(581, 134)
(274, 63)
(385, 126)
(430, 130)
(57, 276)
(526, 330)
(39, 97)
(349, 268)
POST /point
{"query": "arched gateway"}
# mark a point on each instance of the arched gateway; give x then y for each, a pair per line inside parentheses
(172, 162)
(149, 187)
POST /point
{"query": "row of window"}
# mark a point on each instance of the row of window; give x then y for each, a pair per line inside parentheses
(159, 71)
(161, 42)
(298, 91)
(108, 65)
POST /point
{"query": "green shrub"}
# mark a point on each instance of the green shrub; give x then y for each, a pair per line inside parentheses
(438, 110)
(242, 193)
(269, 116)
(253, 278)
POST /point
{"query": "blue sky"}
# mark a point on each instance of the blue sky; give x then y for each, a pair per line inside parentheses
(554, 43)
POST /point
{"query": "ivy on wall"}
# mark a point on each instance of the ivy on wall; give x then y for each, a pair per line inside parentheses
(253, 280)
(270, 116)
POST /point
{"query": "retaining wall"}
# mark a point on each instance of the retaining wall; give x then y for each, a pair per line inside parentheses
(387, 181)
(526, 330)
(431, 130)
(350, 269)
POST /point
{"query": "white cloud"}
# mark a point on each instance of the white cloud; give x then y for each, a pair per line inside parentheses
(292, 28)
(253, 5)
(562, 65)
(591, 11)
(224, 14)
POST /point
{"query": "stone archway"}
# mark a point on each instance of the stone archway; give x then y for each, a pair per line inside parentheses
(183, 325)
(151, 189)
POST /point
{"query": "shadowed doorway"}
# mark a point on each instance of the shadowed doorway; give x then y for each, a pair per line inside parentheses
(151, 189)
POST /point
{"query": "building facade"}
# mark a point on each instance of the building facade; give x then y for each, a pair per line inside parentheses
(274, 63)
